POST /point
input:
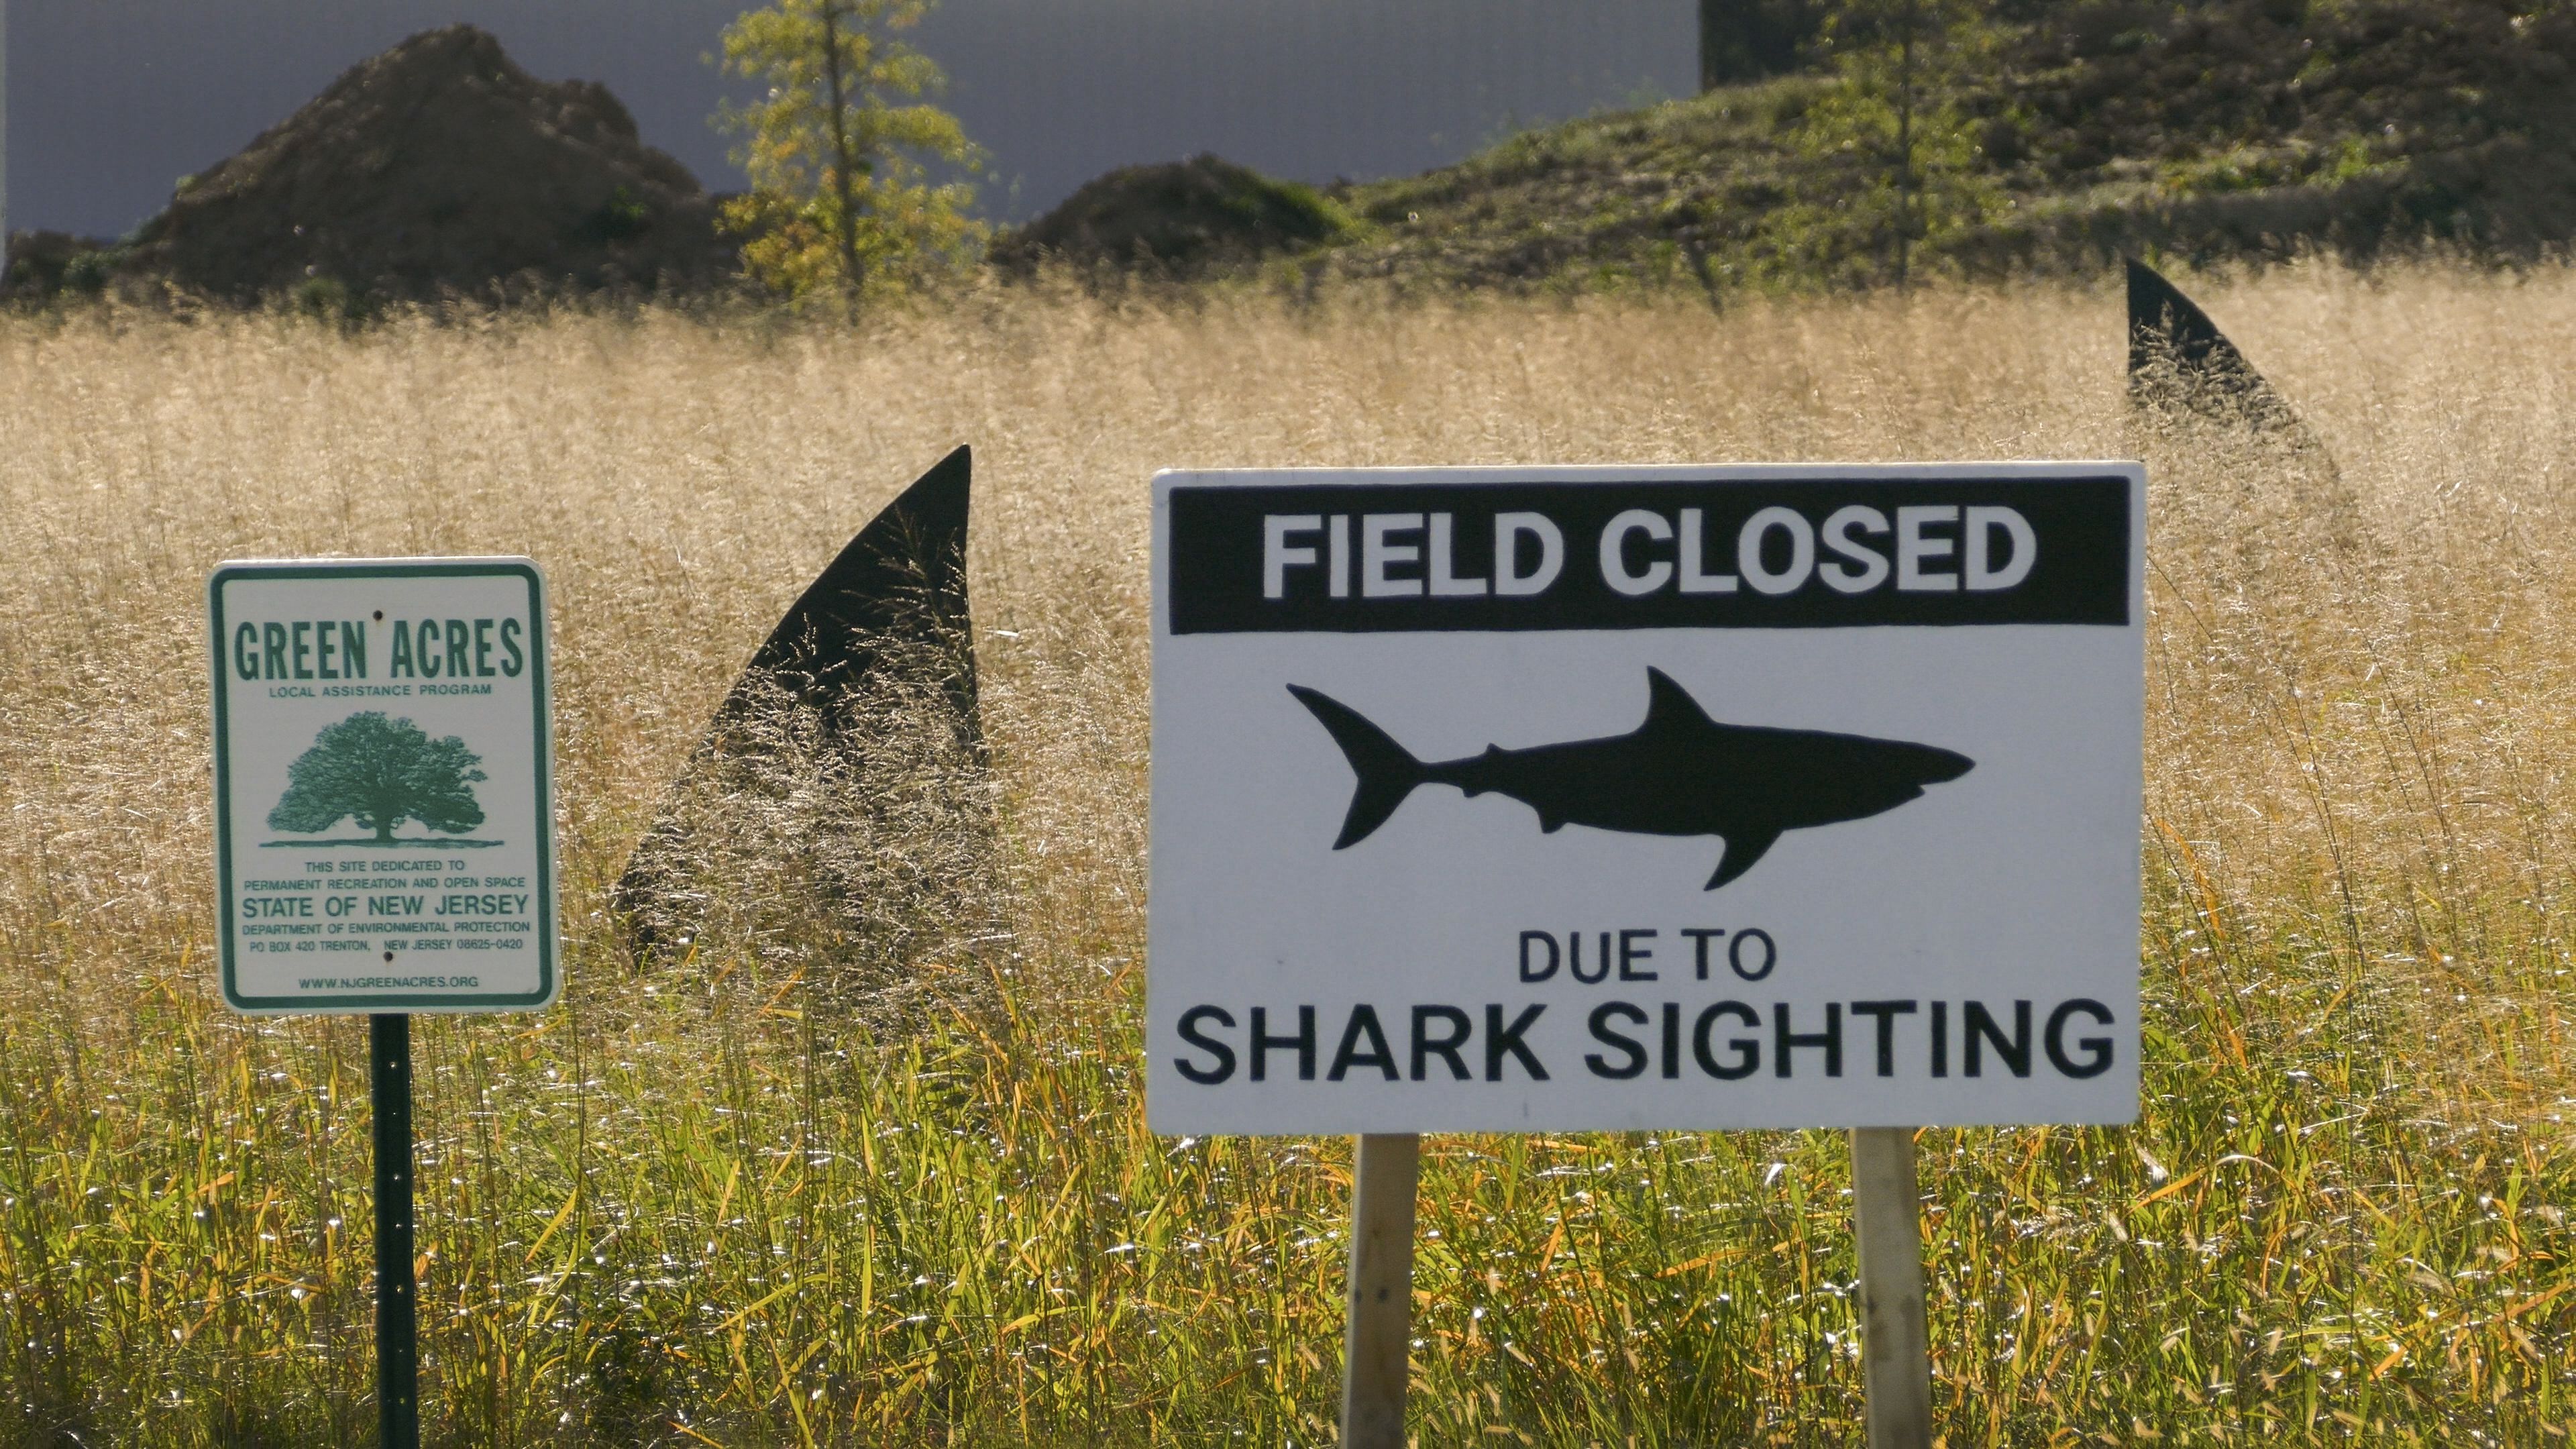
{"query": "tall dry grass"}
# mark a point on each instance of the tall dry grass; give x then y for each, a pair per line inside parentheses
(706, 1202)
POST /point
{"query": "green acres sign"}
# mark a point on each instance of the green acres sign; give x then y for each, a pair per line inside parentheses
(384, 785)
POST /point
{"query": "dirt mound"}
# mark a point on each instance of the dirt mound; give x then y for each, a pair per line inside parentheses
(440, 167)
(1184, 217)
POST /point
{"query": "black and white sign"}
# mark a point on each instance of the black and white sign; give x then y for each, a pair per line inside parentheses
(1569, 799)
(384, 791)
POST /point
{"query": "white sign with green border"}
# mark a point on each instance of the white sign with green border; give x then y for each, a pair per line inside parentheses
(384, 785)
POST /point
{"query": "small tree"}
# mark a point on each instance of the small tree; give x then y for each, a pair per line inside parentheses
(380, 772)
(1907, 71)
(840, 148)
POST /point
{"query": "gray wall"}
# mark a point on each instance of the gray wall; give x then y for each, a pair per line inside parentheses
(110, 101)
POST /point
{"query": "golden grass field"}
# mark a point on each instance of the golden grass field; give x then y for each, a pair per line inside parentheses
(706, 1202)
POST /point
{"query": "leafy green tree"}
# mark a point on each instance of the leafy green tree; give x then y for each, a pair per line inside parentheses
(840, 151)
(380, 772)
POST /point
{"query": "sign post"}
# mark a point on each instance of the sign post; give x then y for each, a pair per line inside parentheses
(1605, 799)
(1887, 1218)
(384, 831)
(1377, 1345)
(397, 1305)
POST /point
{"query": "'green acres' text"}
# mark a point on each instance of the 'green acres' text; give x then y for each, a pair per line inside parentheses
(339, 649)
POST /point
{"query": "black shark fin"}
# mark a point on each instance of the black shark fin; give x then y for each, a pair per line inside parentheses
(902, 578)
(2177, 356)
(1669, 706)
(893, 602)
(2182, 366)
(1742, 850)
(1387, 771)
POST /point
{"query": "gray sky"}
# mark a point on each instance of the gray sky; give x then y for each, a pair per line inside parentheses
(110, 101)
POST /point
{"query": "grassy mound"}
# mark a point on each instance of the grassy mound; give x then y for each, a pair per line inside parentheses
(2035, 139)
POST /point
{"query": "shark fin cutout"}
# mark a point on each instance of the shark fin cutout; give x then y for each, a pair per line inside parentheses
(902, 577)
(2180, 363)
(1741, 853)
(893, 599)
(2178, 356)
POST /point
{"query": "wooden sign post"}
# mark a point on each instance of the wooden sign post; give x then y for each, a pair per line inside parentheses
(1887, 1214)
(1377, 1343)
(1617, 799)
(384, 832)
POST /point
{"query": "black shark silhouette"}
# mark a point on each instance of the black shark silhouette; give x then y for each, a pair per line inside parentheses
(1679, 773)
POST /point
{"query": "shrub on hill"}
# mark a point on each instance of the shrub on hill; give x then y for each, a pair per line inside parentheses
(42, 264)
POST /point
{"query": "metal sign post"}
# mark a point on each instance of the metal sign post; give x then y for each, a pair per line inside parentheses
(384, 832)
(397, 1308)
(1887, 1215)
(1377, 1344)
(1617, 799)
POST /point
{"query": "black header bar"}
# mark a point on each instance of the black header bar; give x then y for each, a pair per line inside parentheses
(1661, 554)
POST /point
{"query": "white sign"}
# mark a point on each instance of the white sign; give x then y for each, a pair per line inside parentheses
(384, 796)
(1587, 799)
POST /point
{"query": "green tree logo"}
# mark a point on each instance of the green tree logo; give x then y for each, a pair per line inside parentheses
(380, 772)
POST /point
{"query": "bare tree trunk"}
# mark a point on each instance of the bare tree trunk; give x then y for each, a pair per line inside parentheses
(1712, 60)
(4, 140)
(846, 222)
(1905, 146)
